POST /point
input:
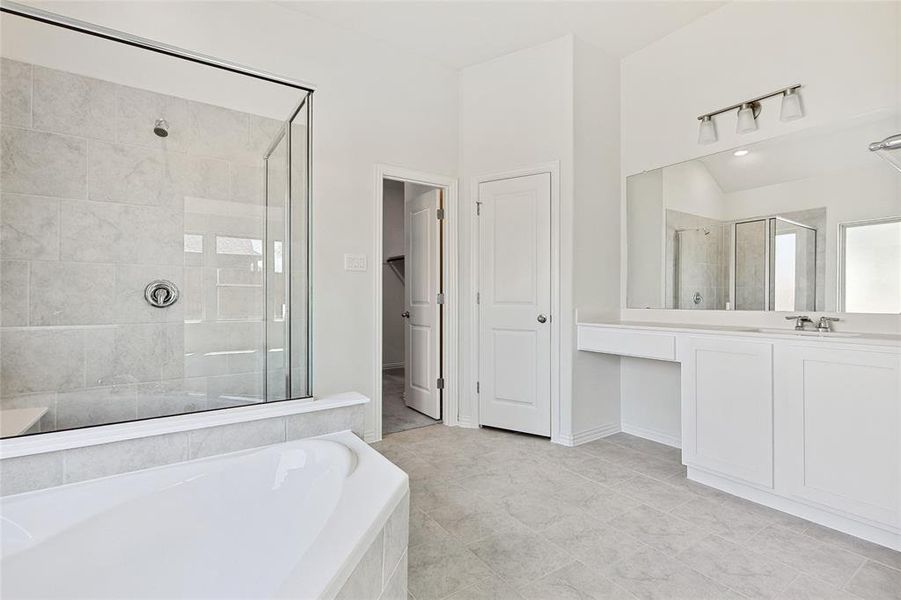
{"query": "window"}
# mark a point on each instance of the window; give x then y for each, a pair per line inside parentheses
(871, 266)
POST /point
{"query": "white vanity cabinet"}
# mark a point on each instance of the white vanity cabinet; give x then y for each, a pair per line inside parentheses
(727, 407)
(838, 428)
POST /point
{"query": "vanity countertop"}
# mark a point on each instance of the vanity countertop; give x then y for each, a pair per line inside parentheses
(845, 337)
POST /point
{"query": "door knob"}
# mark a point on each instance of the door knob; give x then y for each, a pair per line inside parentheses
(405, 314)
(542, 319)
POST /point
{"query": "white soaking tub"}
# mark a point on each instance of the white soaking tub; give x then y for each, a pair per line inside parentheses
(287, 520)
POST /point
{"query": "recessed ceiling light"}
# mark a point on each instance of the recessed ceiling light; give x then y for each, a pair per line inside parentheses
(740, 152)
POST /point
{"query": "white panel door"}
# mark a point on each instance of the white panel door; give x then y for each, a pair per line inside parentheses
(514, 305)
(422, 334)
(727, 396)
(838, 420)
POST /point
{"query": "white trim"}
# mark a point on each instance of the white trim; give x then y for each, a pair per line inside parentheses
(884, 535)
(654, 435)
(471, 416)
(589, 435)
(450, 409)
(118, 432)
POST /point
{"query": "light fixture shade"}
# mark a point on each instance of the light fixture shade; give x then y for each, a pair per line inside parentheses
(791, 105)
(746, 120)
(707, 131)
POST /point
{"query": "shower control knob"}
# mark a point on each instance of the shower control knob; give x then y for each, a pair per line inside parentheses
(161, 293)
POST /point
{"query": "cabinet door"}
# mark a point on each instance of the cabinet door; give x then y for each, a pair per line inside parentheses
(727, 407)
(838, 417)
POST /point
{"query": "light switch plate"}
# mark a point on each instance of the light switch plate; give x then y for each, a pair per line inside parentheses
(354, 262)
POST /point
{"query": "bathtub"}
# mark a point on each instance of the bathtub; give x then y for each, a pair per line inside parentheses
(289, 520)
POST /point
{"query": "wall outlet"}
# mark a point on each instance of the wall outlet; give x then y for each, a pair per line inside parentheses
(354, 262)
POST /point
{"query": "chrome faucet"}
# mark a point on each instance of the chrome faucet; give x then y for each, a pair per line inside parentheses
(799, 321)
(825, 324)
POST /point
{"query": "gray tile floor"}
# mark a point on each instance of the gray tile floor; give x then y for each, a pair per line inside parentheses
(498, 515)
(396, 416)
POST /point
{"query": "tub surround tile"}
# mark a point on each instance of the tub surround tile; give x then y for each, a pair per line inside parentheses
(397, 537)
(42, 164)
(396, 586)
(29, 473)
(121, 457)
(231, 438)
(41, 361)
(73, 104)
(319, 423)
(29, 227)
(15, 92)
(366, 579)
(13, 293)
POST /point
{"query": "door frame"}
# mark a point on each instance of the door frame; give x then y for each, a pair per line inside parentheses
(449, 323)
(471, 418)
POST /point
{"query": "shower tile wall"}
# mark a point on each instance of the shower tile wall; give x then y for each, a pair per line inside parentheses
(700, 264)
(93, 207)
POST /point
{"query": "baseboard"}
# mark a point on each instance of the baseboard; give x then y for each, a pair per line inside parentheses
(589, 435)
(387, 366)
(653, 435)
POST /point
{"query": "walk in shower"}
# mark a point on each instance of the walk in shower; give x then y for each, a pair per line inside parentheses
(155, 213)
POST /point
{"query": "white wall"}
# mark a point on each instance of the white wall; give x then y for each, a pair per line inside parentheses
(392, 287)
(373, 104)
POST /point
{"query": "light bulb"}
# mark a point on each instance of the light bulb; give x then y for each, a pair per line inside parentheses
(791, 105)
(707, 131)
(746, 120)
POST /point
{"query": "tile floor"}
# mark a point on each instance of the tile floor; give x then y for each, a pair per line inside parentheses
(395, 414)
(498, 515)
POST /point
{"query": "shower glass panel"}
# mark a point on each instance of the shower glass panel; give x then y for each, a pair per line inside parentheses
(793, 266)
(750, 270)
(151, 215)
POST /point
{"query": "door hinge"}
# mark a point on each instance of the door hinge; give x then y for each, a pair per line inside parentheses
(478, 298)
(477, 387)
(441, 383)
(440, 214)
(441, 298)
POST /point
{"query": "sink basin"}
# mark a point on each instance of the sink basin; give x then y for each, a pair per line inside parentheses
(831, 334)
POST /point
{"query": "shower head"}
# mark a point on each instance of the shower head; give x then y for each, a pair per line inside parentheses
(893, 142)
(161, 128)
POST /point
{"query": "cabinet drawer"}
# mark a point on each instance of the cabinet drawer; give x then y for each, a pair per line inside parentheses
(628, 342)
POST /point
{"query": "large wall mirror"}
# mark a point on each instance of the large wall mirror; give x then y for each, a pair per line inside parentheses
(153, 233)
(809, 221)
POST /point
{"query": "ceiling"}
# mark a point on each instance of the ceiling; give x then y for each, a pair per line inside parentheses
(463, 33)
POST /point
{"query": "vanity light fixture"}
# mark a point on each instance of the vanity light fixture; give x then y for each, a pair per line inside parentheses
(749, 110)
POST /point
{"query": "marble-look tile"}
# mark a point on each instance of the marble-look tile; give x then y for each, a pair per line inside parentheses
(121, 233)
(65, 293)
(162, 398)
(29, 227)
(128, 302)
(602, 471)
(397, 537)
(396, 586)
(13, 293)
(15, 92)
(239, 389)
(366, 579)
(42, 164)
(490, 588)
(440, 567)
(73, 104)
(132, 175)
(591, 541)
(655, 493)
(138, 110)
(95, 406)
(805, 587)
(235, 437)
(247, 183)
(662, 531)
(203, 178)
(877, 582)
(41, 400)
(726, 519)
(322, 422)
(34, 472)
(538, 511)
(468, 517)
(263, 131)
(40, 361)
(875, 552)
(599, 501)
(748, 573)
(652, 575)
(218, 132)
(656, 449)
(636, 460)
(519, 556)
(134, 354)
(575, 582)
(103, 460)
(831, 564)
(424, 528)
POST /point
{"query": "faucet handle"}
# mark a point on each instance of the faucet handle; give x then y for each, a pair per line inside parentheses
(799, 320)
(825, 323)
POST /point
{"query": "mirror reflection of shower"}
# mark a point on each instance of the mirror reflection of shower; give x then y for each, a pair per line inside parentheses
(886, 150)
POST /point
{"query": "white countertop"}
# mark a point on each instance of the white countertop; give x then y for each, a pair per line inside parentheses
(845, 337)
